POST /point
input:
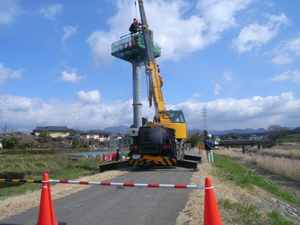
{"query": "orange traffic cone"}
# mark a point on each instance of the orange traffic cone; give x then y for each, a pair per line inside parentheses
(200, 149)
(211, 211)
(46, 211)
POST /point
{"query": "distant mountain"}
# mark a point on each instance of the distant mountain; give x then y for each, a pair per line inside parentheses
(118, 129)
(238, 131)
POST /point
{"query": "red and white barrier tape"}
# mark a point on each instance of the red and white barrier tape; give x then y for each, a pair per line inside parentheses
(128, 184)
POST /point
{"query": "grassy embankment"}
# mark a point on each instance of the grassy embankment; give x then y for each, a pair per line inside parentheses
(33, 166)
(247, 213)
(292, 138)
(285, 161)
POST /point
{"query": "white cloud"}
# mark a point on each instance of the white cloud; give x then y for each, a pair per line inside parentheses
(283, 52)
(178, 35)
(9, 9)
(50, 12)
(296, 75)
(68, 31)
(293, 46)
(219, 14)
(281, 77)
(217, 89)
(7, 73)
(197, 95)
(25, 104)
(227, 76)
(100, 44)
(254, 113)
(281, 19)
(88, 97)
(71, 77)
(222, 114)
(282, 58)
(255, 35)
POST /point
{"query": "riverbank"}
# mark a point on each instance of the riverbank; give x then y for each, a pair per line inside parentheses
(274, 159)
(240, 200)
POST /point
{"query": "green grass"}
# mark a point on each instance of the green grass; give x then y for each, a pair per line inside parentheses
(275, 219)
(39, 164)
(82, 167)
(246, 179)
(249, 214)
(7, 167)
(291, 138)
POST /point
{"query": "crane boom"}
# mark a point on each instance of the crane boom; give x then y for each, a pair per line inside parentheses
(159, 142)
(155, 80)
(171, 119)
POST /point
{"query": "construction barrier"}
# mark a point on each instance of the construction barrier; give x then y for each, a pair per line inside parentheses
(46, 211)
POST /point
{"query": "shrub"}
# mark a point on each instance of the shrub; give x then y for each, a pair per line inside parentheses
(10, 143)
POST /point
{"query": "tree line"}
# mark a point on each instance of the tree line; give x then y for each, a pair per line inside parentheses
(274, 132)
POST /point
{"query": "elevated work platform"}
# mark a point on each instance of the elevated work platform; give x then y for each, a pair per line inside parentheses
(133, 48)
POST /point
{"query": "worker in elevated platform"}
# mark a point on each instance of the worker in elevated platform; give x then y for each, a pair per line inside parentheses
(135, 26)
(209, 145)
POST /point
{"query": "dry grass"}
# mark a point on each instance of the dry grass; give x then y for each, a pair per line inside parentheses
(14, 205)
(224, 190)
(281, 165)
(289, 151)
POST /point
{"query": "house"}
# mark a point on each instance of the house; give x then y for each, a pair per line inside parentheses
(98, 134)
(55, 131)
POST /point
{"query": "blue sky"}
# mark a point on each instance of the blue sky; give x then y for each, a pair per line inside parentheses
(238, 59)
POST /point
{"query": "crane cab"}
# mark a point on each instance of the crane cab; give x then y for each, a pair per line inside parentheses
(176, 121)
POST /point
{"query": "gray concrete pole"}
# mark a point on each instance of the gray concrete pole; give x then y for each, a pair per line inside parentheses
(137, 94)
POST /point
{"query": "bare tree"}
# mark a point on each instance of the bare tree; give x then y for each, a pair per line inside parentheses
(6, 130)
(276, 131)
(28, 141)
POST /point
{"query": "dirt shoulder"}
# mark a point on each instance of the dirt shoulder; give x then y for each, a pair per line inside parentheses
(227, 190)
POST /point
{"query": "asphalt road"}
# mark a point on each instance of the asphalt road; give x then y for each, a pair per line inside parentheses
(121, 205)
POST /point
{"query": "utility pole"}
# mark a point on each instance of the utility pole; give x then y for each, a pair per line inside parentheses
(131, 48)
(204, 114)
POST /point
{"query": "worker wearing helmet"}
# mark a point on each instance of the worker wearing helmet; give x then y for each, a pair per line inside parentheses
(119, 155)
(209, 145)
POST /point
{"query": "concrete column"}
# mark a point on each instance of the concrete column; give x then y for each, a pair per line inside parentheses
(137, 94)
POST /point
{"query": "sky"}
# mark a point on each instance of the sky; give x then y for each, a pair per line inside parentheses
(238, 59)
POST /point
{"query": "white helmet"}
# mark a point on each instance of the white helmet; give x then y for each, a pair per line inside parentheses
(209, 135)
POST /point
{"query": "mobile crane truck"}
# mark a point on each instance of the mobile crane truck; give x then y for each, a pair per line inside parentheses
(159, 142)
